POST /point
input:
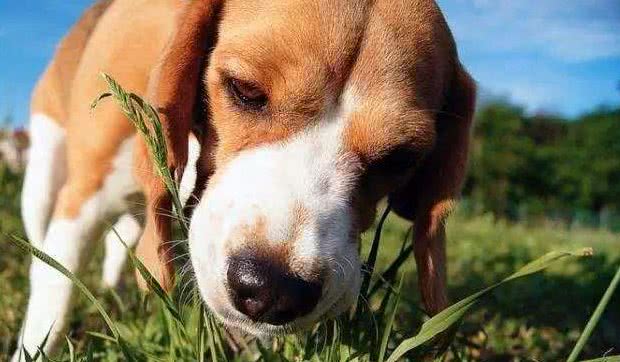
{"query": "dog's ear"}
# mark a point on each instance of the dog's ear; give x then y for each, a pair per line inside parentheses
(174, 88)
(431, 194)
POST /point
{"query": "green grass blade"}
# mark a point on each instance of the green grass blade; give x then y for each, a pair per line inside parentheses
(211, 338)
(391, 271)
(367, 277)
(136, 109)
(615, 358)
(453, 314)
(161, 294)
(71, 349)
(152, 281)
(374, 250)
(217, 337)
(90, 353)
(390, 323)
(101, 336)
(42, 345)
(27, 355)
(200, 334)
(41, 353)
(598, 312)
(27, 247)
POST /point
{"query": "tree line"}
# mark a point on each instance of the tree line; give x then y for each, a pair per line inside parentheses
(546, 166)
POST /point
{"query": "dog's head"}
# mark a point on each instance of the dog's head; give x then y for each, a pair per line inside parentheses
(314, 111)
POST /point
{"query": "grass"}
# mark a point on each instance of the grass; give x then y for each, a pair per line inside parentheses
(535, 319)
(539, 318)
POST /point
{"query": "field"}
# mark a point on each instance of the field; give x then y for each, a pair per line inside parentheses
(538, 318)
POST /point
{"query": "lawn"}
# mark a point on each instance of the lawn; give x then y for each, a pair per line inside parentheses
(536, 318)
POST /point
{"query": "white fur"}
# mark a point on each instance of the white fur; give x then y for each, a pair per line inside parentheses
(188, 181)
(45, 173)
(66, 241)
(128, 229)
(310, 170)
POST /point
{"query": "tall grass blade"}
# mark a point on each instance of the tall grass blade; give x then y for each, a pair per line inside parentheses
(101, 336)
(216, 332)
(41, 353)
(152, 281)
(596, 316)
(27, 355)
(453, 314)
(391, 271)
(42, 345)
(146, 120)
(90, 353)
(605, 359)
(390, 323)
(27, 247)
(71, 349)
(374, 250)
(200, 334)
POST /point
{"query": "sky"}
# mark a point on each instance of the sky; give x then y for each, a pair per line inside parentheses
(559, 56)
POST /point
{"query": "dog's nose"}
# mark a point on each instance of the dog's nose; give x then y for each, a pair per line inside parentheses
(267, 293)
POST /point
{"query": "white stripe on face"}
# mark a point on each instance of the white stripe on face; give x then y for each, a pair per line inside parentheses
(264, 186)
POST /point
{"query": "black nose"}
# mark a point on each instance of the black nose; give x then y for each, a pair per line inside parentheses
(266, 292)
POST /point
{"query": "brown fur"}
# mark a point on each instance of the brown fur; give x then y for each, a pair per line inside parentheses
(173, 89)
(410, 131)
(430, 196)
(104, 53)
(52, 93)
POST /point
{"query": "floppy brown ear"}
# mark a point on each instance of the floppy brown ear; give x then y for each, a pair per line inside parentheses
(430, 196)
(173, 89)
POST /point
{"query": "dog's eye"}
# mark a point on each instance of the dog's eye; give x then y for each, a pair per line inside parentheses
(247, 94)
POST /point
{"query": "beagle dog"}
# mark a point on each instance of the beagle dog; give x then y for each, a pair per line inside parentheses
(290, 119)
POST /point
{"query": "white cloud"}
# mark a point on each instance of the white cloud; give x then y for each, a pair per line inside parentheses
(582, 42)
(570, 30)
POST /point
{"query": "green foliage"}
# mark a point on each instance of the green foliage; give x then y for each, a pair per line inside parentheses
(594, 162)
(526, 167)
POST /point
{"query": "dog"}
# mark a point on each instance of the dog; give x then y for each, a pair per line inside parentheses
(287, 122)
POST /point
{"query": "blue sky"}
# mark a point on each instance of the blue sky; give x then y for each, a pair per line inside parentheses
(548, 55)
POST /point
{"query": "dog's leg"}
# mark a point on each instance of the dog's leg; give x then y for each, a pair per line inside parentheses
(129, 230)
(75, 222)
(45, 174)
(430, 256)
(91, 197)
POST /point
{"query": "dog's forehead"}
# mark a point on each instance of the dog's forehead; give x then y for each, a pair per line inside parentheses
(319, 37)
(334, 32)
(304, 21)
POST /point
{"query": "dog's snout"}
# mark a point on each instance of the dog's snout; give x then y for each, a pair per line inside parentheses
(268, 293)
